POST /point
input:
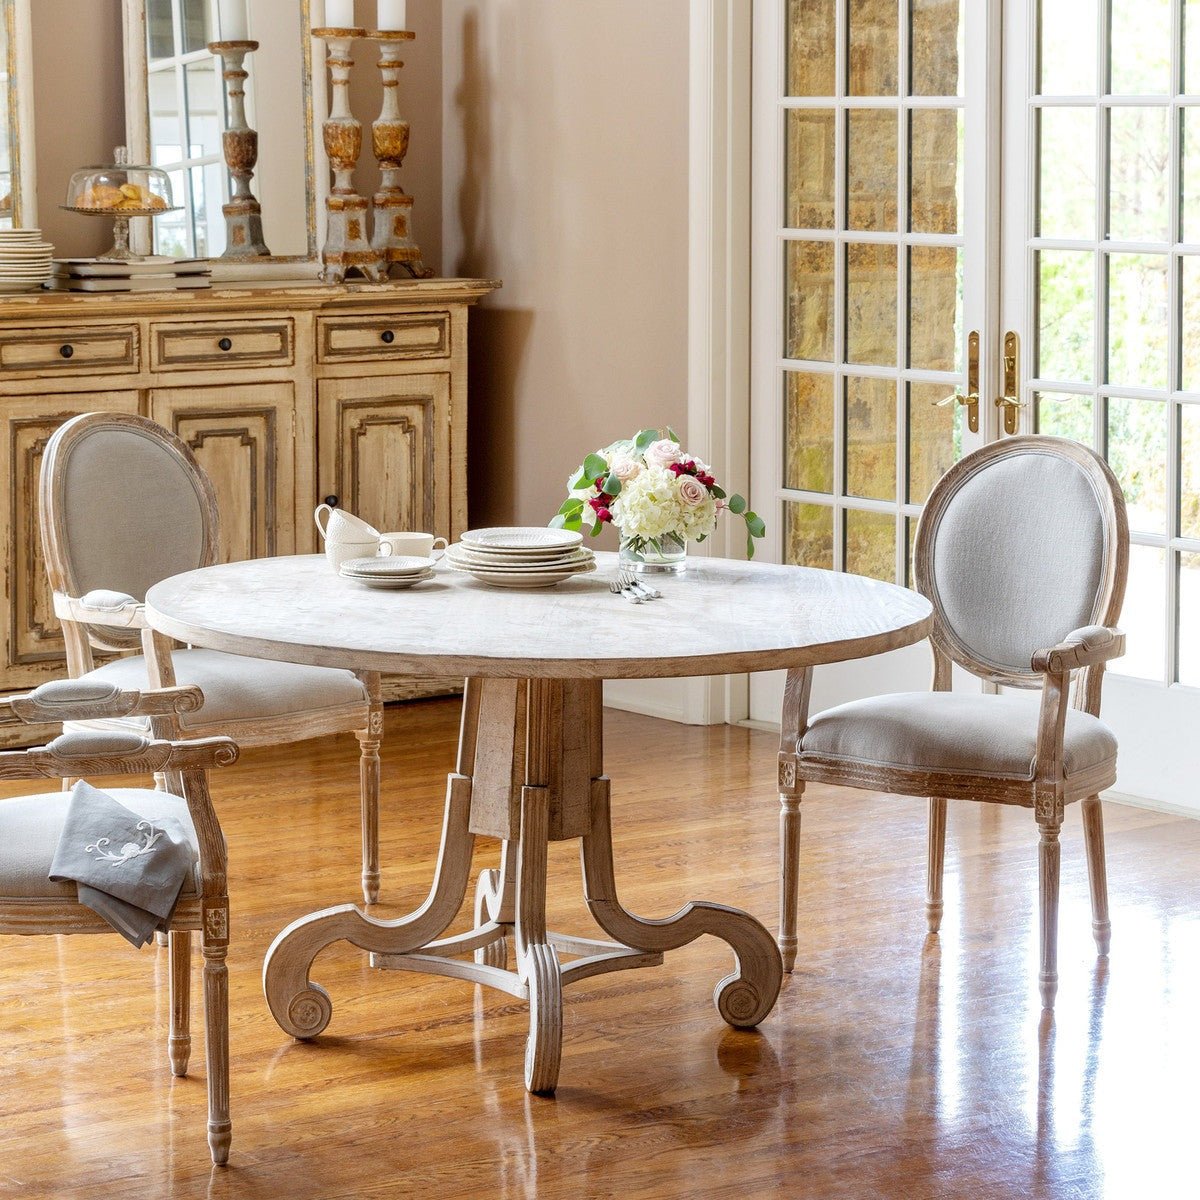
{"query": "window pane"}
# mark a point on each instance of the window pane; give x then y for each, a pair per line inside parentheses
(1068, 47)
(935, 307)
(160, 29)
(1137, 452)
(1189, 330)
(1189, 620)
(171, 230)
(1141, 47)
(205, 109)
(195, 15)
(871, 544)
(934, 438)
(1067, 174)
(1143, 617)
(936, 47)
(810, 169)
(166, 132)
(808, 535)
(1137, 320)
(871, 168)
(207, 199)
(811, 37)
(1189, 471)
(871, 304)
(871, 438)
(1189, 166)
(808, 430)
(874, 47)
(936, 170)
(1066, 315)
(1191, 47)
(1139, 172)
(809, 284)
(1062, 415)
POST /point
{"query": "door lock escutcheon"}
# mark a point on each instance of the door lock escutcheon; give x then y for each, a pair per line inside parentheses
(1011, 403)
(971, 400)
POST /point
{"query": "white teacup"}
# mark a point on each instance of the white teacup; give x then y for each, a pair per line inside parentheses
(419, 545)
(337, 553)
(342, 526)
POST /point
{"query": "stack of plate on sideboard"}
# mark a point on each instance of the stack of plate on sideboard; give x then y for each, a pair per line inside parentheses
(25, 260)
(157, 273)
(521, 557)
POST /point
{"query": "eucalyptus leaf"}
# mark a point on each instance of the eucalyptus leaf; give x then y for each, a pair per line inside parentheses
(595, 530)
(644, 439)
(578, 480)
(593, 467)
(569, 505)
(611, 486)
(737, 504)
(673, 436)
(749, 547)
(717, 491)
(756, 525)
(559, 521)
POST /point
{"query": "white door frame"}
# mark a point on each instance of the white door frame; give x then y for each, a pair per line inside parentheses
(718, 411)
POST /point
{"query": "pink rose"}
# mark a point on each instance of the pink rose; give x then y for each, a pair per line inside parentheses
(691, 491)
(625, 469)
(662, 453)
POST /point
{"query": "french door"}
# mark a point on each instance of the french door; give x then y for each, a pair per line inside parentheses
(895, 266)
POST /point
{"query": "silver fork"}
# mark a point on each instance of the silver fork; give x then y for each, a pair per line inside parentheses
(630, 582)
(618, 589)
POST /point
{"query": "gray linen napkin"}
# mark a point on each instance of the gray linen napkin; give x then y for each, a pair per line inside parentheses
(130, 869)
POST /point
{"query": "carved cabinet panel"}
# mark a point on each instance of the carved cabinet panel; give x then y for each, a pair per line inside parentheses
(384, 449)
(33, 645)
(244, 438)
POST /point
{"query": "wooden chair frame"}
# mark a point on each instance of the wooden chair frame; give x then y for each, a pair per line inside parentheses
(87, 627)
(184, 765)
(1082, 654)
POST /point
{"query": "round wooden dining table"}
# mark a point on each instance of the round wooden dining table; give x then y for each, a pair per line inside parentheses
(530, 757)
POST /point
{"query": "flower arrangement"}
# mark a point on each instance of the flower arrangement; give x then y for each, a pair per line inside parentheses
(655, 494)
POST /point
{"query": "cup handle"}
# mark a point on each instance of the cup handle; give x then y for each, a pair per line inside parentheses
(385, 547)
(436, 547)
(317, 518)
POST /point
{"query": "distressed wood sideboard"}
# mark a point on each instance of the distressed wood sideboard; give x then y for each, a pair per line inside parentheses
(286, 394)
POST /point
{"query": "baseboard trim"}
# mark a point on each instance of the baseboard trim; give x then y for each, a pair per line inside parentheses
(1147, 802)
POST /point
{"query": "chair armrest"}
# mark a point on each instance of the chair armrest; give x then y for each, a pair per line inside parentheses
(94, 700)
(114, 609)
(73, 755)
(1084, 648)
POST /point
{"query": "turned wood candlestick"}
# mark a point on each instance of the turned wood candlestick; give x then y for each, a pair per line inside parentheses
(346, 246)
(243, 213)
(392, 233)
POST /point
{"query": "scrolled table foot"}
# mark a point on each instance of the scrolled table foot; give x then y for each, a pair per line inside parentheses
(740, 1003)
(543, 1048)
(300, 1007)
(308, 1013)
(487, 895)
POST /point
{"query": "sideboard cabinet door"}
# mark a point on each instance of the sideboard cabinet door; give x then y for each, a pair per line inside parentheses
(243, 436)
(384, 450)
(33, 644)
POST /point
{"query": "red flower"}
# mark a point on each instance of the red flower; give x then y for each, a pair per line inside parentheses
(602, 514)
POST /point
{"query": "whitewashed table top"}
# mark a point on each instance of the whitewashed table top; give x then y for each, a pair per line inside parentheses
(719, 617)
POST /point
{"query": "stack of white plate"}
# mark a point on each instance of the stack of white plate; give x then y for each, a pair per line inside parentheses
(521, 557)
(25, 260)
(392, 572)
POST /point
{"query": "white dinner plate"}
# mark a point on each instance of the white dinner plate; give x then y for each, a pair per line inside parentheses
(516, 538)
(514, 579)
(468, 554)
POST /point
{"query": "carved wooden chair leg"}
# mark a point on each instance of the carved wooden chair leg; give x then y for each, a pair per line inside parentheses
(1093, 835)
(179, 961)
(936, 864)
(216, 1049)
(789, 869)
(1049, 860)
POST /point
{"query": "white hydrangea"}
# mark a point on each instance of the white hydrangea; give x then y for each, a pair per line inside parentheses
(649, 506)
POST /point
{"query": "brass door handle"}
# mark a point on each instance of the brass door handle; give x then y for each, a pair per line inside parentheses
(1010, 403)
(971, 400)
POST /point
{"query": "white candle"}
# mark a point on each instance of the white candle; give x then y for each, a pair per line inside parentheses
(339, 14)
(231, 16)
(392, 14)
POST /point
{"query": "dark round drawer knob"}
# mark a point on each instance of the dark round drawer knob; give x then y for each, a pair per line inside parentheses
(332, 501)
(387, 337)
(225, 344)
(66, 351)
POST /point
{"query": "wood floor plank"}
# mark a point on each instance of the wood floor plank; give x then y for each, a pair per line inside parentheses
(895, 1065)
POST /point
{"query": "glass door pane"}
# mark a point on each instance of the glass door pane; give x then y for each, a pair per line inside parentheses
(871, 240)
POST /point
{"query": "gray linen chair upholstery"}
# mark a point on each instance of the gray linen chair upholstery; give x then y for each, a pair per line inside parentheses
(124, 504)
(30, 828)
(1023, 551)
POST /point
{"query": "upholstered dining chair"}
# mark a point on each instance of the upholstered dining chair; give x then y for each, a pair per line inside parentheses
(31, 827)
(1022, 550)
(124, 504)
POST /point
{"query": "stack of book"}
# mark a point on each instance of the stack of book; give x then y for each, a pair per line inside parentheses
(155, 274)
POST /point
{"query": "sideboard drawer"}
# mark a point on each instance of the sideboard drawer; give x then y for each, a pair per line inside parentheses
(70, 351)
(360, 339)
(216, 344)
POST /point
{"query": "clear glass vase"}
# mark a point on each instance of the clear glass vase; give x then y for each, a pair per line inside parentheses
(666, 553)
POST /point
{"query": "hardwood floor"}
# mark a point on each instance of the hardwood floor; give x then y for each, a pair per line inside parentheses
(893, 1065)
